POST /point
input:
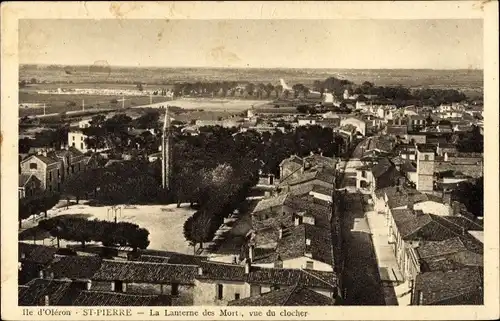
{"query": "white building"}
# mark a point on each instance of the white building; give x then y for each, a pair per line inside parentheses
(76, 139)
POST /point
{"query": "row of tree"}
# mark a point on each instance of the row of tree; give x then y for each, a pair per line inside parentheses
(82, 230)
(36, 204)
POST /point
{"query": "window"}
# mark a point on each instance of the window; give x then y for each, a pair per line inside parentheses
(79, 167)
(73, 144)
(58, 173)
(220, 293)
(236, 296)
(72, 168)
(73, 138)
(50, 176)
(81, 146)
(33, 166)
(175, 289)
(363, 174)
(310, 265)
(426, 157)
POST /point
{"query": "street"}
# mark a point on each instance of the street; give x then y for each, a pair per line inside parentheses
(361, 274)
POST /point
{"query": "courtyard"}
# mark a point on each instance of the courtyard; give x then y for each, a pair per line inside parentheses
(164, 223)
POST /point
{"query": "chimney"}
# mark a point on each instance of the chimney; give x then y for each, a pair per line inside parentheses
(247, 266)
(308, 241)
(46, 300)
(250, 253)
(89, 285)
(200, 270)
(297, 221)
(41, 274)
(278, 264)
(113, 286)
(411, 204)
(280, 231)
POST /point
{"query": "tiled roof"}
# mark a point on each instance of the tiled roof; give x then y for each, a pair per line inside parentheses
(399, 196)
(57, 290)
(308, 278)
(169, 257)
(222, 271)
(101, 298)
(417, 225)
(36, 253)
(268, 203)
(397, 130)
(312, 206)
(293, 243)
(291, 296)
(294, 159)
(316, 159)
(73, 267)
(450, 254)
(152, 259)
(408, 167)
(260, 275)
(455, 287)
(133, 271)
(47, 160)
(322, 190)
(381, 167)
(24, 178)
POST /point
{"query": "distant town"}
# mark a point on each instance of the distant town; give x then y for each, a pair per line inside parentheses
(326, 192)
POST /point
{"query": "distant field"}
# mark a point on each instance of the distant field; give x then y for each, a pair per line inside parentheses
(471, 79)
(60, 103)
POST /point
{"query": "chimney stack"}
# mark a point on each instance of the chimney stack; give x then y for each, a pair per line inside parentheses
(280, 231)
(411, 204)
(200, 270)
(89, 285)
(297, 220)
(250, 253)
(46, 300)
(247, 266)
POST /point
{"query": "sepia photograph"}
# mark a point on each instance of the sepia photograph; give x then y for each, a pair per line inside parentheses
(249, 162)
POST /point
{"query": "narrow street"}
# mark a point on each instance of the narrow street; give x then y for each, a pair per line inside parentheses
(361, 274)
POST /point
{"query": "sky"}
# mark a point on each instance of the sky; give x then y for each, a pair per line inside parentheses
(360, 44)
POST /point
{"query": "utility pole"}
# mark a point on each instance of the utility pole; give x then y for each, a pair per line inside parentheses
(44, 109)
(83, 105)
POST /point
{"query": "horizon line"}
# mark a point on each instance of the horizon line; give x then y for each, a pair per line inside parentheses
(247, 67)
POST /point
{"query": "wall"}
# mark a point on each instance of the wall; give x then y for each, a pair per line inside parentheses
(359, 124)
(39, 172)
(431, 207)
(368, 179)
(300, 263)
(472, 170)
(412, 177)
(205, 292)
(320, 196)
(77, 140)
(425, 171)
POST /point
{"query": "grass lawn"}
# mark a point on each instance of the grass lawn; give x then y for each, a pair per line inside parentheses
(164, 223)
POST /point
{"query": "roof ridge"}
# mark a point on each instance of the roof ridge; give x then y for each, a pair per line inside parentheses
(151, 263)
(315, 276)
(121, 294)
(292, 289)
